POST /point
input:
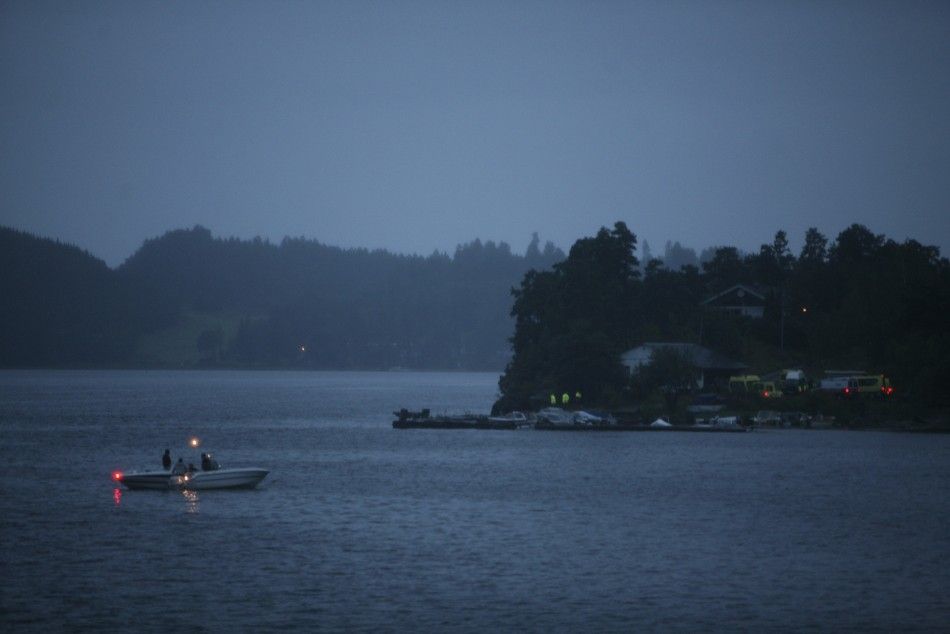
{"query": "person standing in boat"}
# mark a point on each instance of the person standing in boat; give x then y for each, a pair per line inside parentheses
(208, 463)
(180, 468)
(167, 460)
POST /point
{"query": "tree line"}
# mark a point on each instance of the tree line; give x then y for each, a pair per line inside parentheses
(859, 301)
(298, 303)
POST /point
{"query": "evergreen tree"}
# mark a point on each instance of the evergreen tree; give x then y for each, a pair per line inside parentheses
(572, 323)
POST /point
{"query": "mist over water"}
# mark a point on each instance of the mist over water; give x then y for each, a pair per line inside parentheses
(360, 526)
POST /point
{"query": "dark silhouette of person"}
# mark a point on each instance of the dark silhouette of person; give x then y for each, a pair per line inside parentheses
(180, 468)
(208, 463)
(167, 460)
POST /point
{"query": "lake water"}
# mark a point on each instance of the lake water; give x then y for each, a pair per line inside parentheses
(362, 527)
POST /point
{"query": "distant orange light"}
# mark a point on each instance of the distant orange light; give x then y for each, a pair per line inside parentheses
(194, 442)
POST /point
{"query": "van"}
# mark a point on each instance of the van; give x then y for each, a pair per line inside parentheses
(794, 381)
(744, 384)
(868, 385)
(768, 389)
(834, 384)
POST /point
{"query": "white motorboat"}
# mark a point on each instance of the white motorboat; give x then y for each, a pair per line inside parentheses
(554, 417)
(245, 478)
(586, 419)
(517, 418)
(241, 478)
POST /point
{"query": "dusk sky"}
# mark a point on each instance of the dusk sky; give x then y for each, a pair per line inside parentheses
(415, 126)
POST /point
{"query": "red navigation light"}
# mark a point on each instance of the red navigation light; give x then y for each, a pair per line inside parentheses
(117, 476)
(765, 394)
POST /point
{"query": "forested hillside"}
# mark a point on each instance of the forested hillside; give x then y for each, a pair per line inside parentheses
(187, 298)
(860, 301)
(61, 306)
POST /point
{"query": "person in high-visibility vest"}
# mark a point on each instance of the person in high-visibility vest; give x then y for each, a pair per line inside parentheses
(565, 398)
(553, 399)
(577, 395)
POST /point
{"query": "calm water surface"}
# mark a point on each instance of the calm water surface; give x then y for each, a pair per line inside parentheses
(360, 526)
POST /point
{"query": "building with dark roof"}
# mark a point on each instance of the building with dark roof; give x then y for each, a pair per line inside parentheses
(739, 299)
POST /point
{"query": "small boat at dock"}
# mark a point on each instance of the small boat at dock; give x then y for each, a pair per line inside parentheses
(553, 419)
(510, 417)
(423, 419)
(650, 428)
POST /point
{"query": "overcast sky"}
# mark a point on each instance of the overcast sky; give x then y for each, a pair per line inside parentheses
(416, 126)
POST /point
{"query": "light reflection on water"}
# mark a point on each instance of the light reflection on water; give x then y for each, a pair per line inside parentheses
(362, 527)
(191, 501)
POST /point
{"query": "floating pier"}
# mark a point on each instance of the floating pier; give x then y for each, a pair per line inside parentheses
(671, 428)
(423, 419)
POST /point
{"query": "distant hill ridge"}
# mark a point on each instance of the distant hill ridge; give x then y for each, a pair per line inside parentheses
(299, 303)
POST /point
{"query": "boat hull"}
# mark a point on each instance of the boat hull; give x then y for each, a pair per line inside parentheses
(196, 481)
(157, 480)
(222, 479)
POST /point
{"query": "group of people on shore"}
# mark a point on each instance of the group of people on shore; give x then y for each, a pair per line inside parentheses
(208, 463)
(566, 399)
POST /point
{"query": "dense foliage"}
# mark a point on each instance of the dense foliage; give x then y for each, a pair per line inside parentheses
(296, 304)
(61, 306)
(572, 322)
(860, 302)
